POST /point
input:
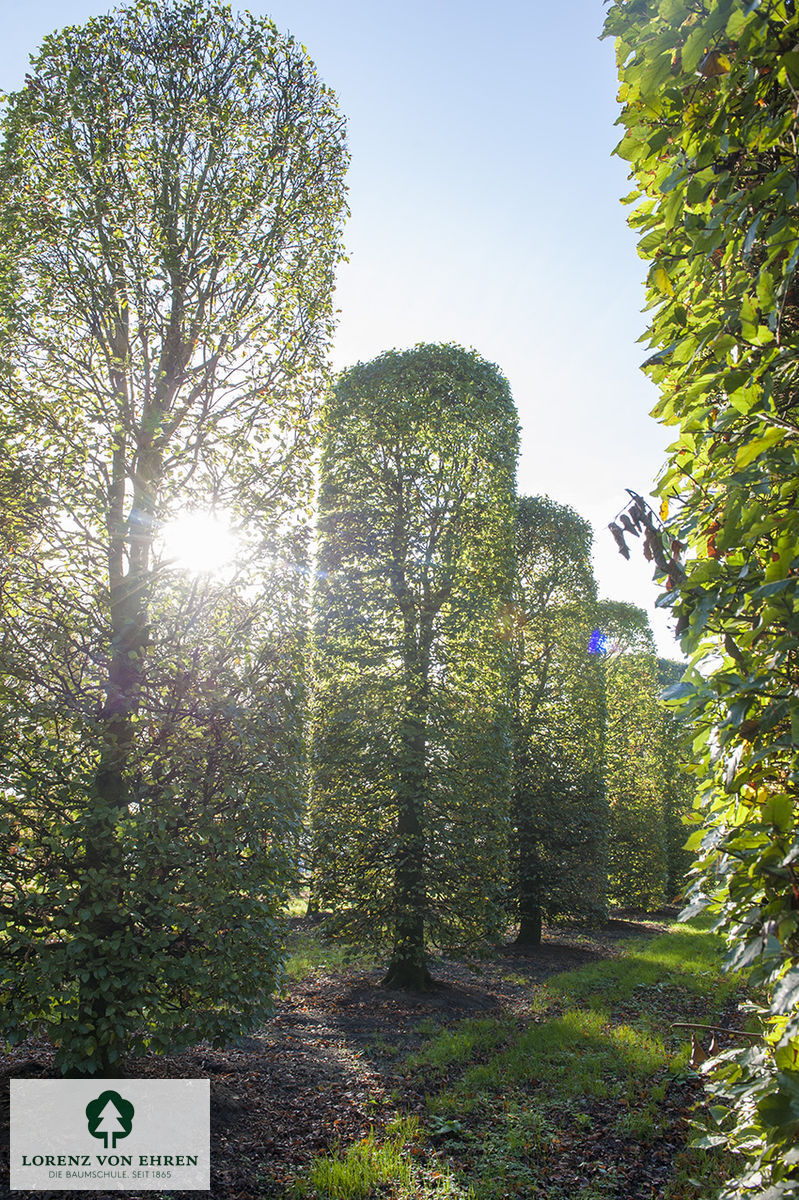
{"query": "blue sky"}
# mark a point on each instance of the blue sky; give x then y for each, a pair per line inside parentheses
(485, 211)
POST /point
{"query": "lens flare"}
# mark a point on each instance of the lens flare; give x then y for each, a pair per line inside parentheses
(202, 543)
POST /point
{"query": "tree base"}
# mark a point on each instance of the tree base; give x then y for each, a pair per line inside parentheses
(408, 977)
(529, 932)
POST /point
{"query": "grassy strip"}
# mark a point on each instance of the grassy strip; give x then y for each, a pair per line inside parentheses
(367, 1164)
(386, 1168)
(560, 1104)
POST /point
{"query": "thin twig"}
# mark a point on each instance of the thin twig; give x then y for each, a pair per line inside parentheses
(757, 1037)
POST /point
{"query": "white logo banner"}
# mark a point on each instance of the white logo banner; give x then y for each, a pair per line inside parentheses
(110, 1135)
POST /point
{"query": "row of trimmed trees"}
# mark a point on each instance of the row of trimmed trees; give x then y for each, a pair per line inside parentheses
(171, 197)
(485, 735)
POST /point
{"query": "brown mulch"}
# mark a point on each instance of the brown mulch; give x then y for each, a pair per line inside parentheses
(323, 1070)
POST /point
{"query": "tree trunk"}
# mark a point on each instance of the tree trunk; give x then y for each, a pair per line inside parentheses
(408, 976)
(529, 878)
(529, 929)
(104, 893)
(408, 966)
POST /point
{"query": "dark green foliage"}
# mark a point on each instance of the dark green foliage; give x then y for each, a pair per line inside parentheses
(410, 739)
(170, 193)
(710, 94)
(559, 805)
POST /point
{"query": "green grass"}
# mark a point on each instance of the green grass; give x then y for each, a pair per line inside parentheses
(308, 952)
(361, 1168)
(686, 957)
(580, 1054)
(451, 1046)
(307, 955)
(601, 1033)
(509, 1100)
(371, 1166)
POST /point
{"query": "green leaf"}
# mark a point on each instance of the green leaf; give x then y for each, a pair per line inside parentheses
(736, 24)
(751, 234)
(781, 1109)
(785, 997)
(750, 450)
(709, 1140)
(790, 60)
(629, 148)
(694, 49)
(677, 691)
(773, 588)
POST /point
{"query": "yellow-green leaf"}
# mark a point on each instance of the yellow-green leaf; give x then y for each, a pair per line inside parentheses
(750, 450)
(714, 63)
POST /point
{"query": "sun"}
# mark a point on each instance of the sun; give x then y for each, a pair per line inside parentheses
(203, 543)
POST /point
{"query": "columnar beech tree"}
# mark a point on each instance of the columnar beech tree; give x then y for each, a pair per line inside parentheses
(710, 129)
(170, 199)
(634, 775)
(679, 785)
(559, 806)
(410, 745)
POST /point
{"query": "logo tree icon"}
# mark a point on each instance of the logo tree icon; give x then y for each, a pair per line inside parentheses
(110, 1116)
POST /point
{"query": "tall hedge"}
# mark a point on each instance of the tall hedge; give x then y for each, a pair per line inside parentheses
(560, 810)
(410, 740)
(634, 777)
(171, 194)
(709, 94)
